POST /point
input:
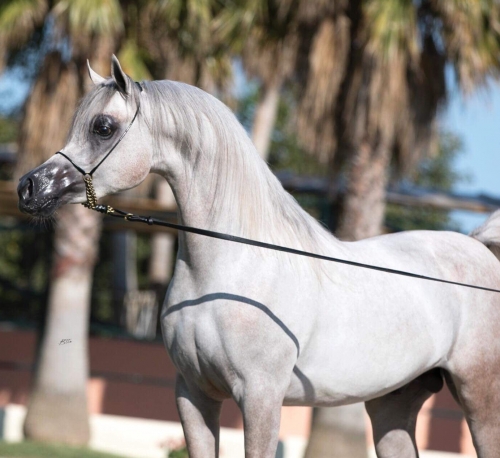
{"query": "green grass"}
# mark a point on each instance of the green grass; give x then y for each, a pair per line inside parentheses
(36, 450)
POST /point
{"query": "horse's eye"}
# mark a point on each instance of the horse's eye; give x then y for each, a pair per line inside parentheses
(104, 130)
(104, 127)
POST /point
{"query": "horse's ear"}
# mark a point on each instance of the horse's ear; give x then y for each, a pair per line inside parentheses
(96, 79)
(121, 79)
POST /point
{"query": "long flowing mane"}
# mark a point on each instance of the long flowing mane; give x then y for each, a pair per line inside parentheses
(242, 184)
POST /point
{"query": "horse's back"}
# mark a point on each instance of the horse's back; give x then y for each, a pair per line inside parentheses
(461, 258)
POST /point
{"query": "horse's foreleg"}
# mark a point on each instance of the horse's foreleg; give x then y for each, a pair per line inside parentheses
(394, 416)
(200, 420)
(261, 408)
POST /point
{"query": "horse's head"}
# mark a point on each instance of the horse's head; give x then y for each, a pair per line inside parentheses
(99, 126)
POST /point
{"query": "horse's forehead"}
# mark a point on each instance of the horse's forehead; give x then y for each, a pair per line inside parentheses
(117, 107)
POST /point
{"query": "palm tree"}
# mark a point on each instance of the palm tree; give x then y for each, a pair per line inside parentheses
(179, 38)
(372, 93)
(18, 20)
(373, 78)
(57, 409)
(264, 34)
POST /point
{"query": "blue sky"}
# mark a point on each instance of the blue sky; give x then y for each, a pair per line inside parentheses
(475, 118)
(13, 90)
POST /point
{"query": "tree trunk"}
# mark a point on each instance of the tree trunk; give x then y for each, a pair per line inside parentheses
(363, 208)
(338, 432)
(265, 117)
(161, 262)
(57, 411)
(124, 270)
(3, 54)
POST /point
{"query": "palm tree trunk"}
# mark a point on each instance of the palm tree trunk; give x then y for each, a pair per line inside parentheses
(57, 410)
(363, 208)
(124, 270)
(265, 117)
(338, 432)
(161, 262)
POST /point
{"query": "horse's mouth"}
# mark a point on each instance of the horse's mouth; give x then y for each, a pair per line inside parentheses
(41, 208)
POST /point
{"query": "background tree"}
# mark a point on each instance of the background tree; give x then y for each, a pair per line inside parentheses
(263, 34)
(436, 173)
(373, 74)
(179, 37)
(73, 31)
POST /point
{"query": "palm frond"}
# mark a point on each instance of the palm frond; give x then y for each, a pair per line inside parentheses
(99, 17)
(391, 28)
(132, 61)
(470, 31)
(324, 72)
(180, 34)
(19, 18)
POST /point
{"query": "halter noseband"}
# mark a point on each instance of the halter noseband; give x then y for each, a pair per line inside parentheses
(87, 176)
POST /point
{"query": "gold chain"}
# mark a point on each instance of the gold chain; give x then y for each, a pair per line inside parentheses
(90, 191)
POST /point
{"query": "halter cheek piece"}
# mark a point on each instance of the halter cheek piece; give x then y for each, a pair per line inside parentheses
(87, 176)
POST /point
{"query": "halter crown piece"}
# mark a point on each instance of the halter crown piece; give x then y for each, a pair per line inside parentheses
(87, 176)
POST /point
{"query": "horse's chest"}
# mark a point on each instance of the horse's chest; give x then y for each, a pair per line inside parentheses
(195, 349)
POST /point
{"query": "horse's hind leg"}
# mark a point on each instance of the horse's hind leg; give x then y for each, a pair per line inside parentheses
(394, 416)
(478, 392)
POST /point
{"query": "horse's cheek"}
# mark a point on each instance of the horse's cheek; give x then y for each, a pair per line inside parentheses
(135, 173)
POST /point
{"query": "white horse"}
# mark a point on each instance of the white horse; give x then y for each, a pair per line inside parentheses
(269, 328)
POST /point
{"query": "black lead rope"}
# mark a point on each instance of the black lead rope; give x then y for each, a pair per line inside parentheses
(106, 209)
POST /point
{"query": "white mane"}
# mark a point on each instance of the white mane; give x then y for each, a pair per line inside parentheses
(242, 184)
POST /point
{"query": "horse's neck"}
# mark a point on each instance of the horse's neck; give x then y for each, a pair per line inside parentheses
(270, 215)
(225, 186)
(242, 198)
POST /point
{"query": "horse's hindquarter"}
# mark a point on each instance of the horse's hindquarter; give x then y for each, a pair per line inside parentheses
(352, 334)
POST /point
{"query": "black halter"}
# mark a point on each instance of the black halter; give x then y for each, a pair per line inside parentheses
(87, 176)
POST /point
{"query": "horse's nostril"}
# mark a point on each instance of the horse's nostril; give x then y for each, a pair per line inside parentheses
(28, 192)
(26, 189)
